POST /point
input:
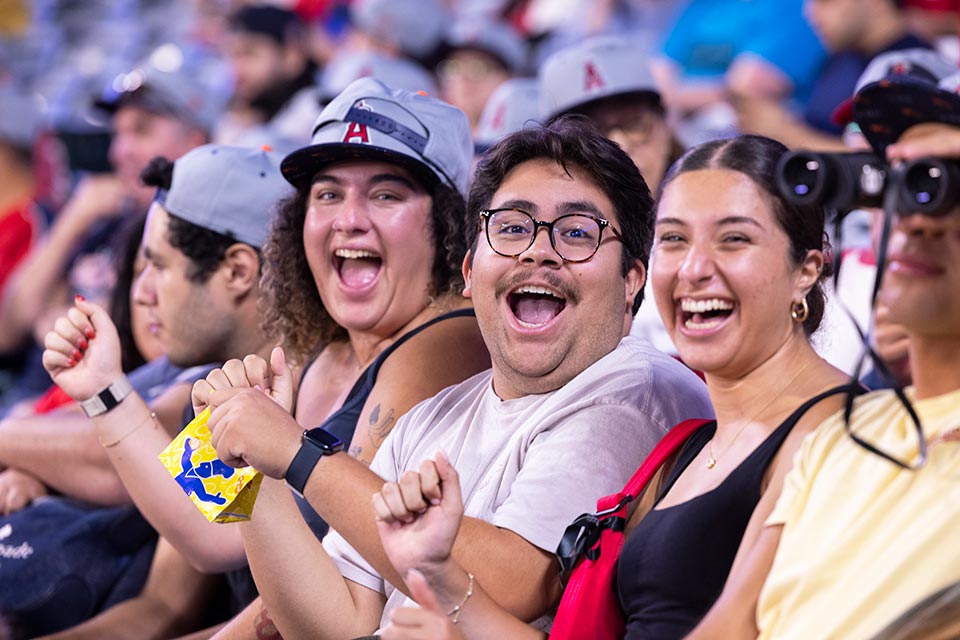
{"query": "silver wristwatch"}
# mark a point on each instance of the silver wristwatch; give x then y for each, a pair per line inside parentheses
(108, 398)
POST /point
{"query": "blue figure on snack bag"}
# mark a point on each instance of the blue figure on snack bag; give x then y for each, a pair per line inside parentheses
(191, 477)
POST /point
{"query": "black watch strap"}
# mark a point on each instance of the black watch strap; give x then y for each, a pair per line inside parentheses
(315, 444)
(108, 398)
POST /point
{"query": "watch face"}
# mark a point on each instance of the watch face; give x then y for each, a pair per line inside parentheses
(326, 440)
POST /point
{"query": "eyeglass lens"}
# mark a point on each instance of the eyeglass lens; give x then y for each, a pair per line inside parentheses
(574, 237)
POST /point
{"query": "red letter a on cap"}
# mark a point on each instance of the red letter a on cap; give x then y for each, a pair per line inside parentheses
(592, 79)
(357, 132)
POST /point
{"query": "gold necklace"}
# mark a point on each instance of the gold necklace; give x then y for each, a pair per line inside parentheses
(712, 460)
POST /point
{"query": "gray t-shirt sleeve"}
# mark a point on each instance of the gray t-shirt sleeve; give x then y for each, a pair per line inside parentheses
(590, 453)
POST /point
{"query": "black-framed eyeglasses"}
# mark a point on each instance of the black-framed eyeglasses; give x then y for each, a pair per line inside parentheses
(574, 236)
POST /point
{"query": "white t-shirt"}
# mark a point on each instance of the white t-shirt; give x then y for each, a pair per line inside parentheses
(532, 465)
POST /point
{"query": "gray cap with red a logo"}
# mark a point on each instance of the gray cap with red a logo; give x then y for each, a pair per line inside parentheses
(590, 70)
(371, 121)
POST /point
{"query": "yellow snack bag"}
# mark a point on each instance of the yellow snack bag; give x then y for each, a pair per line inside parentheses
(221, 492)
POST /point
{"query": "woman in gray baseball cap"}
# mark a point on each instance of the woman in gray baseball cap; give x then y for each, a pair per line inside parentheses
(362, 278)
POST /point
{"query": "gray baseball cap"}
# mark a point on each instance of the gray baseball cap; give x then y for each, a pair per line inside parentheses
(415, 26)
(166, 89)
(595, 68)
(399, 73)
(496, 38)
(370, 121)
(230, 190)
(515, 103)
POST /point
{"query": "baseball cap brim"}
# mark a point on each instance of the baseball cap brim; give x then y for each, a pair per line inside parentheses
(652, 96)
(885, 109)
(300, 167)
(843, 114)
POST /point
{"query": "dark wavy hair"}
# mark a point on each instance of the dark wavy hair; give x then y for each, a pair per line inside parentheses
(756, 157)
(292, 309)
(573, 140)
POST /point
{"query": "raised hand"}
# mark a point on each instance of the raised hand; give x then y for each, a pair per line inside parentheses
(429, 622)
(82, 353)
(418, 518)
(274, 379)
(250, 422)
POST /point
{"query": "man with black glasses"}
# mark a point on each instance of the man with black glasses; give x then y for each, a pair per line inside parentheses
(869, 518)
(560, 237)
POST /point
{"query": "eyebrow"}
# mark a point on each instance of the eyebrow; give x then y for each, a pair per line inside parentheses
(376, 179)
(578, 206)
(721, 222)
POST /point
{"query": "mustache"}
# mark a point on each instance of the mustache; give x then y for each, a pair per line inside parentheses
(550, 279)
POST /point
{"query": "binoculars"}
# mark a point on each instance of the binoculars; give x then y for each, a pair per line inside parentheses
(845, 181)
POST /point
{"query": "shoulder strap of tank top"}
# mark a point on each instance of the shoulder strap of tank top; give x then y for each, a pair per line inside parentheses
(855, 388)
(369, 375)
(311, 359)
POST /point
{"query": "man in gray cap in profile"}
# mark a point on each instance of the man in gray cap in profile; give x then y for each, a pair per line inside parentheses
(211, 214)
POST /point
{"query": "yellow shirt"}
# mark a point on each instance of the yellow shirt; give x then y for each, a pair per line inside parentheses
(862, 538)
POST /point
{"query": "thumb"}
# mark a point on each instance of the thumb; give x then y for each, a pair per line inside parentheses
(422, 593)
(281, 379)
(449, 481)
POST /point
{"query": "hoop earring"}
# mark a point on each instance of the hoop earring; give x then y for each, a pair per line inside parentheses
(799, 310)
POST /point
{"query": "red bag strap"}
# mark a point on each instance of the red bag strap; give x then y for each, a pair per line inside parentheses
(667, 446)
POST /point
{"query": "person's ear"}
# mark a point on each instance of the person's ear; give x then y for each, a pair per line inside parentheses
(809, 272)
(241, 264)
(466, 270)
(635, 279)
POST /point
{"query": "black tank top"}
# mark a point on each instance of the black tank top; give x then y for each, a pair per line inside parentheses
(342, 423)
(674, 563)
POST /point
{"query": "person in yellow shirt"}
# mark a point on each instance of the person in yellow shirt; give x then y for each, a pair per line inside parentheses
(857, 538)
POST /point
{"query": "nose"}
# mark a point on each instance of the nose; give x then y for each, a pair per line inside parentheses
(144, 287)
(352, 216)
(697, 265)
(541, 252)
(118, 151)
(934, 227)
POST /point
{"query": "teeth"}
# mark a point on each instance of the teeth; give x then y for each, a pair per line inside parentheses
(543, 291)
(701, 326)
(700, 306)
(354, 254)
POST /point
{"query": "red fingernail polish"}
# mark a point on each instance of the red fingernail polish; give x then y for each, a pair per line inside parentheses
(90, 333)
(82, 344)
(78, 297)
(76, 355)
(72, 362)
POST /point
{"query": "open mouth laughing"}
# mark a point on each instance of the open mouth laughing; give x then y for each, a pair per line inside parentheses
(357, 268)
(702, 315)
(536, 305)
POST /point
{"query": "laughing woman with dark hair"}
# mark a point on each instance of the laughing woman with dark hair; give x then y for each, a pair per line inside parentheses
(736, 272)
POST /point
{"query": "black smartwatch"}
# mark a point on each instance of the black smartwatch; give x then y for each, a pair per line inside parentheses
(314, 444)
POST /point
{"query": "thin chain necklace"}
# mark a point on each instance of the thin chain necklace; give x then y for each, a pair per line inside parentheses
(712, 460)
